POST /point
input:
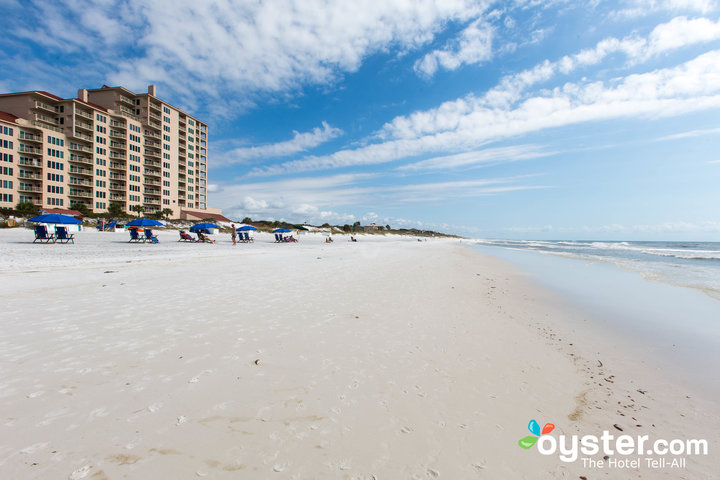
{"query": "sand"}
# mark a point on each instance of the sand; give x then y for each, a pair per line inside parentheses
(388, 358)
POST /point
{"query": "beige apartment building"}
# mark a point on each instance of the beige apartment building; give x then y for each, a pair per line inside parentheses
(108, 145)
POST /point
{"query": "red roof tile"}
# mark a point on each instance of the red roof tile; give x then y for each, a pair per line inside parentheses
(73, 213)
(202, 215)
(8, 117)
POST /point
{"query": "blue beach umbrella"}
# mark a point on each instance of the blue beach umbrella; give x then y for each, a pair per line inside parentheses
(55, 218)
(201, 227)
(246, 228)
(281, 230)
(144, 222)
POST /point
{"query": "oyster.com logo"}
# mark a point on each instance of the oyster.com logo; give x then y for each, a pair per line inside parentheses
(534, 428)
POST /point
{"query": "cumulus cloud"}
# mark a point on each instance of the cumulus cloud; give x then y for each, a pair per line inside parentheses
(474, 45)
(201, 50)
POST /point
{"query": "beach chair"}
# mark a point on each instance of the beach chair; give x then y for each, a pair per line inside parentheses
(41, 235)
(185, 237)
(150, 237)
(135, 236)
(63, 236)
(278, 238)
(247, 238)
(110, 227)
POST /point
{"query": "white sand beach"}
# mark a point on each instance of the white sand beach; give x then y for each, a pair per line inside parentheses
(388, 358)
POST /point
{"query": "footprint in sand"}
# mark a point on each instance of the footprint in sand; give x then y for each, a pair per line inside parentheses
(81, 472)
(181, 419)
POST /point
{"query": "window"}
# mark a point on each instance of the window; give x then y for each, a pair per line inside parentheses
(100, 118)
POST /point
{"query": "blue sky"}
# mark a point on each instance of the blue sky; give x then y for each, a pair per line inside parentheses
(515, 119)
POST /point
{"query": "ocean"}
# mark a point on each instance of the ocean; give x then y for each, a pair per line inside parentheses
(685, 264)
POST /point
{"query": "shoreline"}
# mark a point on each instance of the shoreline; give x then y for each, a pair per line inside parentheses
(388, 358)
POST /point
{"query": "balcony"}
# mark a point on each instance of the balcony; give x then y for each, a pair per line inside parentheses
(116, 176)
(84, 114)
(26, 187)
(49, 127)
(81, 171)
(30, 137)
(83, 125)
(151, 201)
(151, 191)
(117, 145)
(30, 162)
(117, 166)
(117, 196)
(149, 181)
(117, 186)
(126, 100)
(151, 143)
(30, 175)
(80, 159)
(79, 148)
(44, 106)
(112, 154)
(155, 116)
(74, 192)
(151, 163)
(29, 149)
(153, 173)
(149, 133)
(115, 134)
(151, 153)
(82, 136)
(80, 181)
(116, 124)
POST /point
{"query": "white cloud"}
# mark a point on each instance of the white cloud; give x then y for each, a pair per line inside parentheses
(471, 122)
(485, 156)
(299, 143)
(474, 45)
(640, 8)
(201, 50)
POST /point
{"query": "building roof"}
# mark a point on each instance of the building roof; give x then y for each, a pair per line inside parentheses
(49, 95)
(89, 104)
(8, 117)
(202, 215)
(73, 213)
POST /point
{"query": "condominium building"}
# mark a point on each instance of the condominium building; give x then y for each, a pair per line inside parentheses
(108, 145)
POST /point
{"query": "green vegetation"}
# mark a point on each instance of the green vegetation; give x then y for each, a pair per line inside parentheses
(26, 209)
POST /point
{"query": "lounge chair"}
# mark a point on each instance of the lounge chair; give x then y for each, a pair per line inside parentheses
(110, 227)
(135, 236)
(150, 237)
(63, 236)
(185, 237)
(278, 238)
(247, 238)
(41, 234)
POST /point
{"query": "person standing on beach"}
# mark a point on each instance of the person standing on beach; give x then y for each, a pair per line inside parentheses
(234, 234)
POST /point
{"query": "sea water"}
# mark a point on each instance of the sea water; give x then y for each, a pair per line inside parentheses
(660, 298)
(686, 264)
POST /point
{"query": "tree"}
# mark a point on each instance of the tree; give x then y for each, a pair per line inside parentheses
(165, 213)
(247, 220)
(115, 209)
(137, 208)
(82, 208)
(26, 209)
(325, 225)
(347, 228)
(387, 227)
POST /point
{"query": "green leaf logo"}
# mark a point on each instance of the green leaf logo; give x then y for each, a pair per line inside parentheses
(527, 442)
(534, 428)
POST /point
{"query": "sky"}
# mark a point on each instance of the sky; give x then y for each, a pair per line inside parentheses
(522, 119)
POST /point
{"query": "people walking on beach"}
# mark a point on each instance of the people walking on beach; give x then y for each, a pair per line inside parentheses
(234, 234)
